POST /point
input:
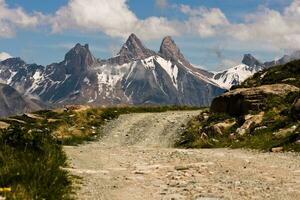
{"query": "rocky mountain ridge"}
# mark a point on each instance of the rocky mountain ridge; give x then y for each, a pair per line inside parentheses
(136, 75)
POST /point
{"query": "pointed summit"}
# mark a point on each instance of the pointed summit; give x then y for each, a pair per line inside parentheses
(133, 49)
(79, 58)
(251, 61)
(169, 49)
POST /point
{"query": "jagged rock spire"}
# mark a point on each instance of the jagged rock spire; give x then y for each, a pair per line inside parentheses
(79, 58)
(169, 49)
(251, 61)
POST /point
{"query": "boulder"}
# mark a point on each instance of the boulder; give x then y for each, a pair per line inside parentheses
(277, 149)
(251, 122)
(240, 101)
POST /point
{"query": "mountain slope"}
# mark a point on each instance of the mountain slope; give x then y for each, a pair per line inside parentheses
(137, 75)
(237, 74)
(12, 102)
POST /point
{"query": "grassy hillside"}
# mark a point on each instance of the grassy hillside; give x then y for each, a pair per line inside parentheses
(273, 129)
(31, 155)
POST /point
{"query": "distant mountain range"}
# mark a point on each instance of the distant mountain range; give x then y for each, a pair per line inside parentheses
(249, 66)
(137, 75)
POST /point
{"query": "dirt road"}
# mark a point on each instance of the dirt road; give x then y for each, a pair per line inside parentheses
(136, 161)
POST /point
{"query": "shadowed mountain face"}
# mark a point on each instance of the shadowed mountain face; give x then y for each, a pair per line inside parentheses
(12, 102)
(137, 75)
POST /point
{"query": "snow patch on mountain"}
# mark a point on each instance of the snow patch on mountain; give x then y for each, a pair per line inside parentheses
(235, 75)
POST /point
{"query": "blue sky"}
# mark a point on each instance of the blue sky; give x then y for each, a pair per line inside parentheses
(214, 50)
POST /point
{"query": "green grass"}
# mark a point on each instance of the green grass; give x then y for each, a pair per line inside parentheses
(30, 163)
(31, 155)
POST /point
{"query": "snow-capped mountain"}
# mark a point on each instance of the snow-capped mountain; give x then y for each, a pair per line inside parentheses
(249, 66)
(237, 74)
(136, 75)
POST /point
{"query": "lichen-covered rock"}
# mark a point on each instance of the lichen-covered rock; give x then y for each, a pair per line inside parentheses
(240, 101)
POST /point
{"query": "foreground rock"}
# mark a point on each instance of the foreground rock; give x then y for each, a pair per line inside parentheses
(240, 101)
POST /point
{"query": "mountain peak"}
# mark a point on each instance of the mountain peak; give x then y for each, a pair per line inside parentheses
(79, 58)
(251, 61)
(169, 49)
(133, 49)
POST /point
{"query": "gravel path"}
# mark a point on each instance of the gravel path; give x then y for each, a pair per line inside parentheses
(135, 161)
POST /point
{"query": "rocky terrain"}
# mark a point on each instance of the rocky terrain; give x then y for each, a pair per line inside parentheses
(242, 100)
(135, 160)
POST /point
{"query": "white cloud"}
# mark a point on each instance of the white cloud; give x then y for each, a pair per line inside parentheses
(204, 22)
(266, 28)
(4, 56)
(13, 18)
(113, 17)
(270, 27)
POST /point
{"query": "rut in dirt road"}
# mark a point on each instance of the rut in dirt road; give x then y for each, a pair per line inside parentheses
(135, 161)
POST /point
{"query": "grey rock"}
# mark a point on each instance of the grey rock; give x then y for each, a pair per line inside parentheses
(240, 101)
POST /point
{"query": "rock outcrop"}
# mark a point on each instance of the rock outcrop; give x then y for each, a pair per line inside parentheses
(240, 101)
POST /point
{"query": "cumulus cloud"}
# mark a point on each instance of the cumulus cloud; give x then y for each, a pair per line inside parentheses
(113, 17)
(4, 56)
(264, 28)
(270, 27)
(204, 22)
(13, 18)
